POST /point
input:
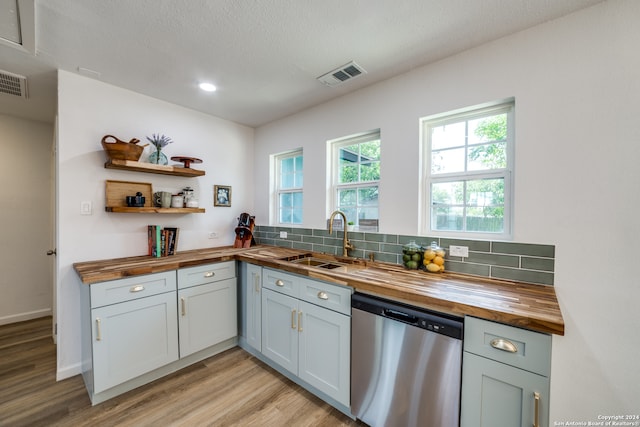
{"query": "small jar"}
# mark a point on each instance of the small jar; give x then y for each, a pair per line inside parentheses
(433, 258)
(411, 255)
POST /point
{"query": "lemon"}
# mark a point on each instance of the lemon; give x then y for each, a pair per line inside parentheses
(440, 252)
(429, 255)
(439, 261)
(433, 268)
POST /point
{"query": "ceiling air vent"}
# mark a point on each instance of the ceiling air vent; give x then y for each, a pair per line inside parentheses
(13, 84)
(342, 74)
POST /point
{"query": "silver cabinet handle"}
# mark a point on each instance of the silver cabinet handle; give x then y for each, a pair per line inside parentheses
(138, 288)
(323, 295)
(504, 345)
(299, 321)
(209, 274)
(256, 282)
(293, 319)
(279, 283)
(536, 410)
(183, 307)
(98, 330)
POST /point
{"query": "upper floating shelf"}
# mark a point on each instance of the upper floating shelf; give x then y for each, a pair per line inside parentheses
(153, 168)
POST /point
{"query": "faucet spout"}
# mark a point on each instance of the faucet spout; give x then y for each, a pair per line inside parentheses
(346, 245)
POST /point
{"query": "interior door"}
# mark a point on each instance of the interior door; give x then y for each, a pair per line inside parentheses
(53, 229)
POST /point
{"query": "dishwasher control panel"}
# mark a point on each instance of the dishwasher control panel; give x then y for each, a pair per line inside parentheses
(415, 316)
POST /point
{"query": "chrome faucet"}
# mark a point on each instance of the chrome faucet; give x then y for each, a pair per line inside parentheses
(346, 245)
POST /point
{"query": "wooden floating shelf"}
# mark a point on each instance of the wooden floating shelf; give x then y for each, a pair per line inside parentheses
(126, 209)
(153, 168)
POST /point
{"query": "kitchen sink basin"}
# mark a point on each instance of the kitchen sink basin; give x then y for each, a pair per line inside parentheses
(317, 262)
(327, 263)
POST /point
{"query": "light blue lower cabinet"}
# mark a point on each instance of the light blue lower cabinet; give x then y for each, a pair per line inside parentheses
(250, 298)
(505, 376)
(311, 342)
(149, 323)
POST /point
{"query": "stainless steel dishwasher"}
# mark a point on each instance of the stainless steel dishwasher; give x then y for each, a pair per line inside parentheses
(406, 364)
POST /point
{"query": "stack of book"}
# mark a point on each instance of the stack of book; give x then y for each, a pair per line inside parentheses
(163, 241)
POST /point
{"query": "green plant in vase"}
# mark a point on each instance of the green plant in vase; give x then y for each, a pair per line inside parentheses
(159, 141)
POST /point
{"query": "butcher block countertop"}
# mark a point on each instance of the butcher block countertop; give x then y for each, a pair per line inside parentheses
(529, 306)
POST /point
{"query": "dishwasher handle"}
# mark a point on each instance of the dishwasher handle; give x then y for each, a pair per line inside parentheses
(399, 315)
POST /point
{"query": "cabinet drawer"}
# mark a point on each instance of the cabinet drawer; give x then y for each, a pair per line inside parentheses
(201, 274)
(278, 281)
(513, 346)
(334, 297)
(131, 288)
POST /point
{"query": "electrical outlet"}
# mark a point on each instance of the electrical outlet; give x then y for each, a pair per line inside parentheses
(461, 251)
(283, 234)
(213, 235)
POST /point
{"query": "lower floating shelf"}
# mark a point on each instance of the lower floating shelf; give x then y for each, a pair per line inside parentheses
(126, 209)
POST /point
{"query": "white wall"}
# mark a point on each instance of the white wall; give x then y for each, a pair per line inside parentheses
(88, 110)
(25, 195)
(576, 83)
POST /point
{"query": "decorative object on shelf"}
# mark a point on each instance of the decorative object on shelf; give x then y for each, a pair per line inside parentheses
(244, 231)
(350, 225)
(121, 150)
(136, 201)
(159, 141)
(162, 199)
(190, 200)
(177, 201)
(222, 195)
(186, 160)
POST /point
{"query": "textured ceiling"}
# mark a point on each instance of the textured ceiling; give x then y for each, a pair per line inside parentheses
(264, 55)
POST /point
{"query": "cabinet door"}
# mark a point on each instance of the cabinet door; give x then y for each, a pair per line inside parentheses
(499, 395)
(280, 329)
(132, 338)
(324, 352)
(252, 305)
(208, 315)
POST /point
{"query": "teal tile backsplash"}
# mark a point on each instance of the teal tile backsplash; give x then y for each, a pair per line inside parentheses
(523, 262)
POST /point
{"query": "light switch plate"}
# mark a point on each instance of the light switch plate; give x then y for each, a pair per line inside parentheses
(283, 234)
(85, 208)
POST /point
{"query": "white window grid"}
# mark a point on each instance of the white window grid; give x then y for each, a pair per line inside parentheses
(465, 176)
(292, 190)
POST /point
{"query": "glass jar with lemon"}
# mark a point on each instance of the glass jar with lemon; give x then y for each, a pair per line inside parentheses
(433, 258)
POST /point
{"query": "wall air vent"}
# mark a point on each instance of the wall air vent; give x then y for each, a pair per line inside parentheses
(13, 84)
(342, 74)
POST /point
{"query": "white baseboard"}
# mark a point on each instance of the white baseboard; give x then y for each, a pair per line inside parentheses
(21, 317)
(68, 371)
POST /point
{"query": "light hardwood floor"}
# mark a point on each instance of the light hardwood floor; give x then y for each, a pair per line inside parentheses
(230, 389)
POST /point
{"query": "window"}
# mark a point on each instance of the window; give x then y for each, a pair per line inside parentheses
(356, 174)
(289, 188)
(469, 164)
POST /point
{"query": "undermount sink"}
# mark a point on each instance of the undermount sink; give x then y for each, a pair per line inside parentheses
(316, 262)
(329, 264)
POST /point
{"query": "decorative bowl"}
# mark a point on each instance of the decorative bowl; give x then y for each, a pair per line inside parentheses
(121, 150)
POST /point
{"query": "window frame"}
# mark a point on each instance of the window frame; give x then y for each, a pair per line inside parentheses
(278, 190)
(507, 174)
(335, 186)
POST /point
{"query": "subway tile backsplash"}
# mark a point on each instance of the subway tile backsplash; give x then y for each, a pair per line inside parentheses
(523, 262)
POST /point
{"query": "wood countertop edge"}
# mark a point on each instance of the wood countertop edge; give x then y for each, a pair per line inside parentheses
(420, 288)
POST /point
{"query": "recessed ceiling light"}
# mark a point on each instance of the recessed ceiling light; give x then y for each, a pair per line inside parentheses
(208, 87)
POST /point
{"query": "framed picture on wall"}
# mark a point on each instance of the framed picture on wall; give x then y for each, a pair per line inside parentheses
(222, 195)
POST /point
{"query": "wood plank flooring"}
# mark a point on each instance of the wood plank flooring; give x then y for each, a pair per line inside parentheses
(230, 389)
